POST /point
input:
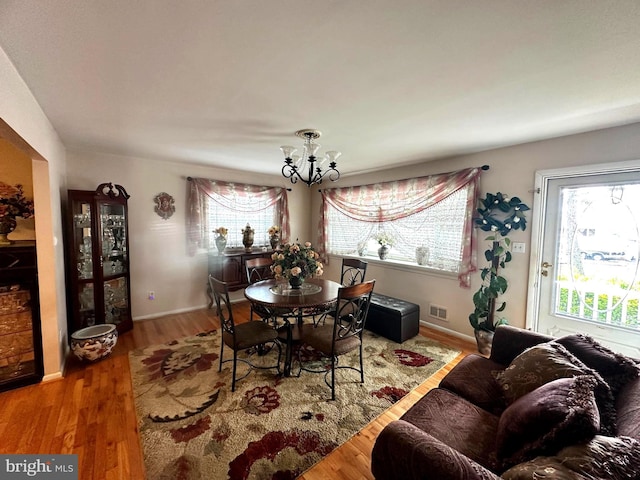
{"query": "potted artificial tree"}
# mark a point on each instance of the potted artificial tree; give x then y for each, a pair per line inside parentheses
(499, 215)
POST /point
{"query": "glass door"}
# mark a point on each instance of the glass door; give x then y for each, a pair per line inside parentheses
(589, 262)
(114, 262)
(82, 277)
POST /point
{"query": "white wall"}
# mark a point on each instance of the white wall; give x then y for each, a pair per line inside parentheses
(158, 252)
(24, 124)
(512, 172)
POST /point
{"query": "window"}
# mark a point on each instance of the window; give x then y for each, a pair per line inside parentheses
(260, 218)
(440, 228)
(435, 212)
(213, 204)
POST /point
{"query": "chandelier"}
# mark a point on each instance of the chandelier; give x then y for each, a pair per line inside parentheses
(296, 166)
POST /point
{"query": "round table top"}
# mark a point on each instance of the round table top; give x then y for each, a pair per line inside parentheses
(261, 292)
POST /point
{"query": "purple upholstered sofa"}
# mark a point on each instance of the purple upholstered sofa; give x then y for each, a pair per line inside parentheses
(537, 408)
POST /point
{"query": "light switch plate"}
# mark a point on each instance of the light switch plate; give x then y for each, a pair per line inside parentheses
(518, 247)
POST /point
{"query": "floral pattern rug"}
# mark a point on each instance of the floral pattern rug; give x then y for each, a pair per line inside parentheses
(272, 427)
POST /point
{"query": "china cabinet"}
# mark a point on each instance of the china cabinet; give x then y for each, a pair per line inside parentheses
(20, 329)
(98, 258)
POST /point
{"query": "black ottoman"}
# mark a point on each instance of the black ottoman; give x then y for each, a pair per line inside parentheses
(395, 319)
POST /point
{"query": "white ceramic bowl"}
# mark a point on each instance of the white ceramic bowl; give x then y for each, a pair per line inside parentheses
(95, 342)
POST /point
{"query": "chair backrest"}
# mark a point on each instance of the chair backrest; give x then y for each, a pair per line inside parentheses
(353, 271)
(351, 310)
(258, 269)
(223, 305)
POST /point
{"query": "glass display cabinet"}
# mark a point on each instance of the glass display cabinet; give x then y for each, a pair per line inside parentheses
(98, 258)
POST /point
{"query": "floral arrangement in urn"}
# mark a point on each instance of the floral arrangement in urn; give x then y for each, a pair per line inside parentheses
(386, 241)
(384, 238)
(274, 236)
(221, 239)
(296, 262)
(13, 204)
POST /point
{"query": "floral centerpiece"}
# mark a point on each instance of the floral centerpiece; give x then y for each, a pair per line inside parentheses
(296, 262)
(221, 239)
(13, 204)
(386, 241)
(274, 236)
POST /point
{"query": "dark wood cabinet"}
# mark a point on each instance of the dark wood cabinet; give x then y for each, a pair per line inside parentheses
(230, 267)
(97, 248)
(20, 328)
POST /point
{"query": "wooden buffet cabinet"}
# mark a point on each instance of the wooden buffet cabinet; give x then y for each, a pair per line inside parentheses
(230, 267)
(20, 330)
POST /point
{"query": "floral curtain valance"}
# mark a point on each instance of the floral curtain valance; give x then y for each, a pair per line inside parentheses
(228, 194)
(387, 201)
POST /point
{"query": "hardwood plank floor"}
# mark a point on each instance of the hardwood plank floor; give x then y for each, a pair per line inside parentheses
(90, 412)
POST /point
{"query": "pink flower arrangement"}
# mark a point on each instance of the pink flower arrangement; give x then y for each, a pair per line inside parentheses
(295, 260)
(13, 203)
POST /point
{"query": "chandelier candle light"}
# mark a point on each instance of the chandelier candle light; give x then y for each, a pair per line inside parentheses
(309, 163)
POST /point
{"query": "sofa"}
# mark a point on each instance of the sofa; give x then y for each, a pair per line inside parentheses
(536, 408)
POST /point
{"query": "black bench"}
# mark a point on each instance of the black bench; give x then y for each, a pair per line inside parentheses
(395, 319)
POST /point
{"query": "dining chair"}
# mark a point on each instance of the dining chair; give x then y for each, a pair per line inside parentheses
(353, 271)
(243, 336)
(344, 334)
(258, 269)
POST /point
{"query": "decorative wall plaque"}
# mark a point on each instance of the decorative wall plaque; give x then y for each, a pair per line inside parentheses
(165, 205)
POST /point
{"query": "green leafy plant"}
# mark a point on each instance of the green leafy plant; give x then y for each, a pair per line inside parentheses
(498, 214)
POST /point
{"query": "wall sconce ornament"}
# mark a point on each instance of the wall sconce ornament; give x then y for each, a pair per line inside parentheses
(165, 205)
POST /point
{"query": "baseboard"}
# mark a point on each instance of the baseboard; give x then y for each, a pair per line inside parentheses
(52, 376)
(448, 331)
(169, 312)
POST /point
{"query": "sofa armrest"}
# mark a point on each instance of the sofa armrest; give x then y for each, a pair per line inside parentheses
(404, 451)
(509, 342)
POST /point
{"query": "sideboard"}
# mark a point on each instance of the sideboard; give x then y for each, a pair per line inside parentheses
(230, 267)
(20, 330)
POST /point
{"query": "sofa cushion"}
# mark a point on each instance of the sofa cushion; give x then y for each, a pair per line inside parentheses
(549, 361)
(483, 391)
(542, 468)
(458, 423)
(615, 369)
(628, 409)
(559, 413)
(602, 458)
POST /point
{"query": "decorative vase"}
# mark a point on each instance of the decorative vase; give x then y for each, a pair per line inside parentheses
(296, 282)
(274, 240)
(422, 255)
(484, 339)
(7, 225)
(362, 249)
(383, 251)
(221, 243)
(247, 238)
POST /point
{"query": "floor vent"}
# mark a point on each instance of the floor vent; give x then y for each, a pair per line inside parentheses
(438, 312)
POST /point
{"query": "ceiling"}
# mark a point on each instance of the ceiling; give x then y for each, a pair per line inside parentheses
(226, 82)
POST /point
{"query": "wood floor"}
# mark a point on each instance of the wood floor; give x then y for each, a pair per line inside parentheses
(90, 412)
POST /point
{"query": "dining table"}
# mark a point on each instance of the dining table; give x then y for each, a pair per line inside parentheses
(315, 295)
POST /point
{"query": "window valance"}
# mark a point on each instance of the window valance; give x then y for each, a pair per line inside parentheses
(388, 201)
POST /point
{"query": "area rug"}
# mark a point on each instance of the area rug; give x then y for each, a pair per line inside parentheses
(193, 427)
